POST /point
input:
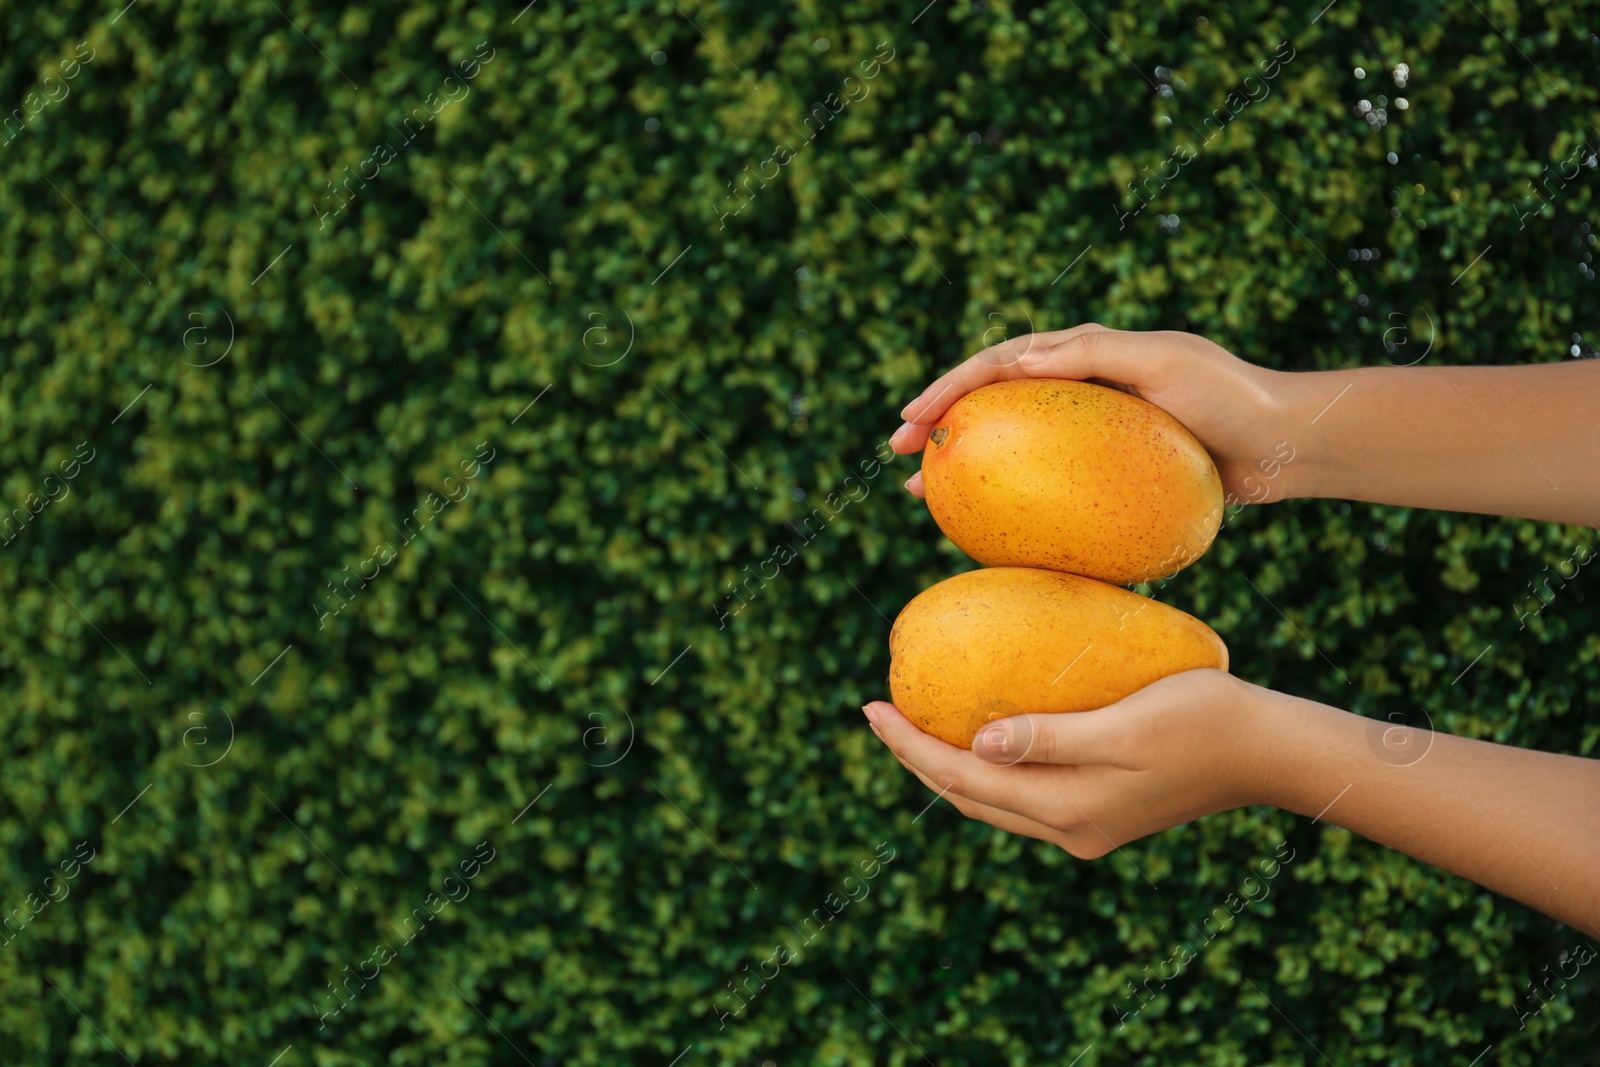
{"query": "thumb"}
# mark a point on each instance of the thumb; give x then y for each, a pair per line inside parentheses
(1062, 737)
(1123, 356)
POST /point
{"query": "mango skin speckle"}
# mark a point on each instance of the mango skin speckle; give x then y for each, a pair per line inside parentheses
(1001, 641)
(1073, 477)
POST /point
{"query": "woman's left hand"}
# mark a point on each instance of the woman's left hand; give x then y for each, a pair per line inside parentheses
(1185, 746)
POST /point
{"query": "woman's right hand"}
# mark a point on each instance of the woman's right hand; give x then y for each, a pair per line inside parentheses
(1235, 409)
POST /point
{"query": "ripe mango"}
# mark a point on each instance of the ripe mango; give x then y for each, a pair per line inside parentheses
(1001, 641)
(1073, 477)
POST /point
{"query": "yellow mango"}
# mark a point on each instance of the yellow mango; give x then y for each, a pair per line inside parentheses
(1072, 477)
(1002, 641)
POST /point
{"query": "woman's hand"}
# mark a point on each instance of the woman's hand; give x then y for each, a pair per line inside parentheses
(1526, 824)
(1186, 746)
(1518, 440)
(1234, 408)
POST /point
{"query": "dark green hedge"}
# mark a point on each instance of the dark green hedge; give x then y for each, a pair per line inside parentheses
(238, 798)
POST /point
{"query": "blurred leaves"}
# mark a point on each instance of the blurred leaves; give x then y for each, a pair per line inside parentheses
(643, 473)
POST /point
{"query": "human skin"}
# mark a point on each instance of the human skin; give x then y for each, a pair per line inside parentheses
(1497, 440)
(1515, 441)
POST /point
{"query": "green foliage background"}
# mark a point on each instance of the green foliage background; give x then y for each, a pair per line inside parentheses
(516, 649)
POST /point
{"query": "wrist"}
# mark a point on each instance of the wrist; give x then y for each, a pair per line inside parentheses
(1290, 751)
(1305, 403)
(1260, 736)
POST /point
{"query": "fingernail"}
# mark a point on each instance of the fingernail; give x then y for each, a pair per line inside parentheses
(908, 483)
(992, 741)
(898, 434)
(872, 716)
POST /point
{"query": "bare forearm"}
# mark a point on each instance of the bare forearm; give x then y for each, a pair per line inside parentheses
(1521, 440)
(1523, 823)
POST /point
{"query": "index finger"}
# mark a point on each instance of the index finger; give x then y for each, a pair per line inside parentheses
(997, 363)
(1030, 792)
(950, 769)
